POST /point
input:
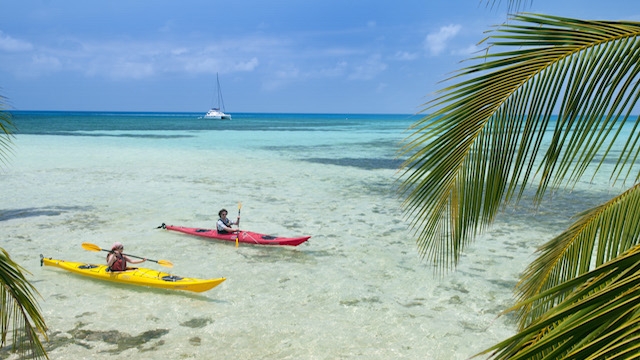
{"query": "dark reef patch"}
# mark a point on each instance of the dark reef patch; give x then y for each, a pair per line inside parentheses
(362, 163)
(123, 341)
(137, 136)
(10, 214)
(197, 323)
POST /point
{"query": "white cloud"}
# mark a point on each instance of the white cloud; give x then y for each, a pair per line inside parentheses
(46, 63)
(131, 70)
(405, 56)
(285, 75)
(179, 51)
(334, 71)
(468, 51)
(201, 64)
(290, 73)
(123, 58)
(249, 65)
(7, 43)
(210, 64)
(435, 43)
(367, 71)
(38, 65)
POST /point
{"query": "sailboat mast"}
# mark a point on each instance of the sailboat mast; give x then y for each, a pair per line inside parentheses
(220, 99)
(218, 112)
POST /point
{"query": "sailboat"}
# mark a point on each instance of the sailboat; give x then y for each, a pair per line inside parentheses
(216, 113)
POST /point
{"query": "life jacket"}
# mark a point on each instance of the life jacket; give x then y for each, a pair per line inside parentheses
(119, 265)
(223, 231)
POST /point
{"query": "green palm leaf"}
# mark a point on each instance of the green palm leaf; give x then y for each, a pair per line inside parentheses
(596, 237)
(6, 129)
(484, 141)
(19, 313)
(599, 319)
(19, 310)
(492, 135)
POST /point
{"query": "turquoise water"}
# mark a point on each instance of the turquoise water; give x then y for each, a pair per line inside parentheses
(356, 290)
(365, 140)
(68, 123)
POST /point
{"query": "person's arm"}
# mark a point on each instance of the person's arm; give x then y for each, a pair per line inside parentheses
(111, 258)
(129, 260)
(229, 228)
(224, 226)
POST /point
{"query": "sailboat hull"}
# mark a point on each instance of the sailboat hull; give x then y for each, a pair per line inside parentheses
(216, 114)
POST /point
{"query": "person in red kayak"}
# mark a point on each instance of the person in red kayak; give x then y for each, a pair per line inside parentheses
(117, 261)
(224, 224)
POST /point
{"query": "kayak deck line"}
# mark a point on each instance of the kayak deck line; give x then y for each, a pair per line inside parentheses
(134, 276)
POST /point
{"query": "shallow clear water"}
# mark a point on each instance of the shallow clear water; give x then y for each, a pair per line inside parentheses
(356, 289)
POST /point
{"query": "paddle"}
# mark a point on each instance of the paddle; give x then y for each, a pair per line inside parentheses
(96, 248)
(238, 223)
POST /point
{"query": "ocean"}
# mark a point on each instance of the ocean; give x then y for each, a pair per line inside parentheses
(357, 289)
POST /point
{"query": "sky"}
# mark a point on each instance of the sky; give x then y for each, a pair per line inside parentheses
(276, 56)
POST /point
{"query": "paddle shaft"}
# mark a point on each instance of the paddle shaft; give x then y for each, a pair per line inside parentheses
(238, 224)
(133, 256)
(96, 248)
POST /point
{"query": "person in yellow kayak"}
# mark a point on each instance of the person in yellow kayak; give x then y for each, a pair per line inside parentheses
(117, 261)
(224, 224)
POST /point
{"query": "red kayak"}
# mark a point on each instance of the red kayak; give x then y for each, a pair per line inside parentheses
(243, 236)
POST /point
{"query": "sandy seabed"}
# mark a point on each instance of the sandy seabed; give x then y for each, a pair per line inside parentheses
(356, 290)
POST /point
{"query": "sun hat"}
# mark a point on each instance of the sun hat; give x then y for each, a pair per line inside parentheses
(116, 245)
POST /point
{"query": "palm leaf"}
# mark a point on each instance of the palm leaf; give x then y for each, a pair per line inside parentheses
(599, 319)
(6, 130)
(19, 312)
(484, 141)
(513, 6)
(596, 237)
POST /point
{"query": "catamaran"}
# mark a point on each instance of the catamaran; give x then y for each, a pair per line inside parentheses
(216, 113)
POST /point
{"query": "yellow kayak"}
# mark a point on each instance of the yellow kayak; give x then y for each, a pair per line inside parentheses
(135, 276)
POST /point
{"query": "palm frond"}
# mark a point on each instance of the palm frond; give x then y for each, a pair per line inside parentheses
(599, 319)
(597, 236)
(485, 140)
(19, 310)
(6, 130)
(513, 6)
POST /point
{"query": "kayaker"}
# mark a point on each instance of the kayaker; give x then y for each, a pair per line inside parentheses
(224, 224)
(117, 261)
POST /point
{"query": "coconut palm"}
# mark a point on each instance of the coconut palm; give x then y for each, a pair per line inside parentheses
(20, 316)
(492, 136)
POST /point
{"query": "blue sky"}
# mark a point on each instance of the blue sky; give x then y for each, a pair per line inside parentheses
(347, 56)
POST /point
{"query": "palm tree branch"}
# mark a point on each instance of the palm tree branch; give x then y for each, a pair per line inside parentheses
(600, 315)
(6, 131)
(478, 148)
(19, 309)
(597, 236)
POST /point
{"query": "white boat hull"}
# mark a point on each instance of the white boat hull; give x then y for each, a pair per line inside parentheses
(216, 114)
